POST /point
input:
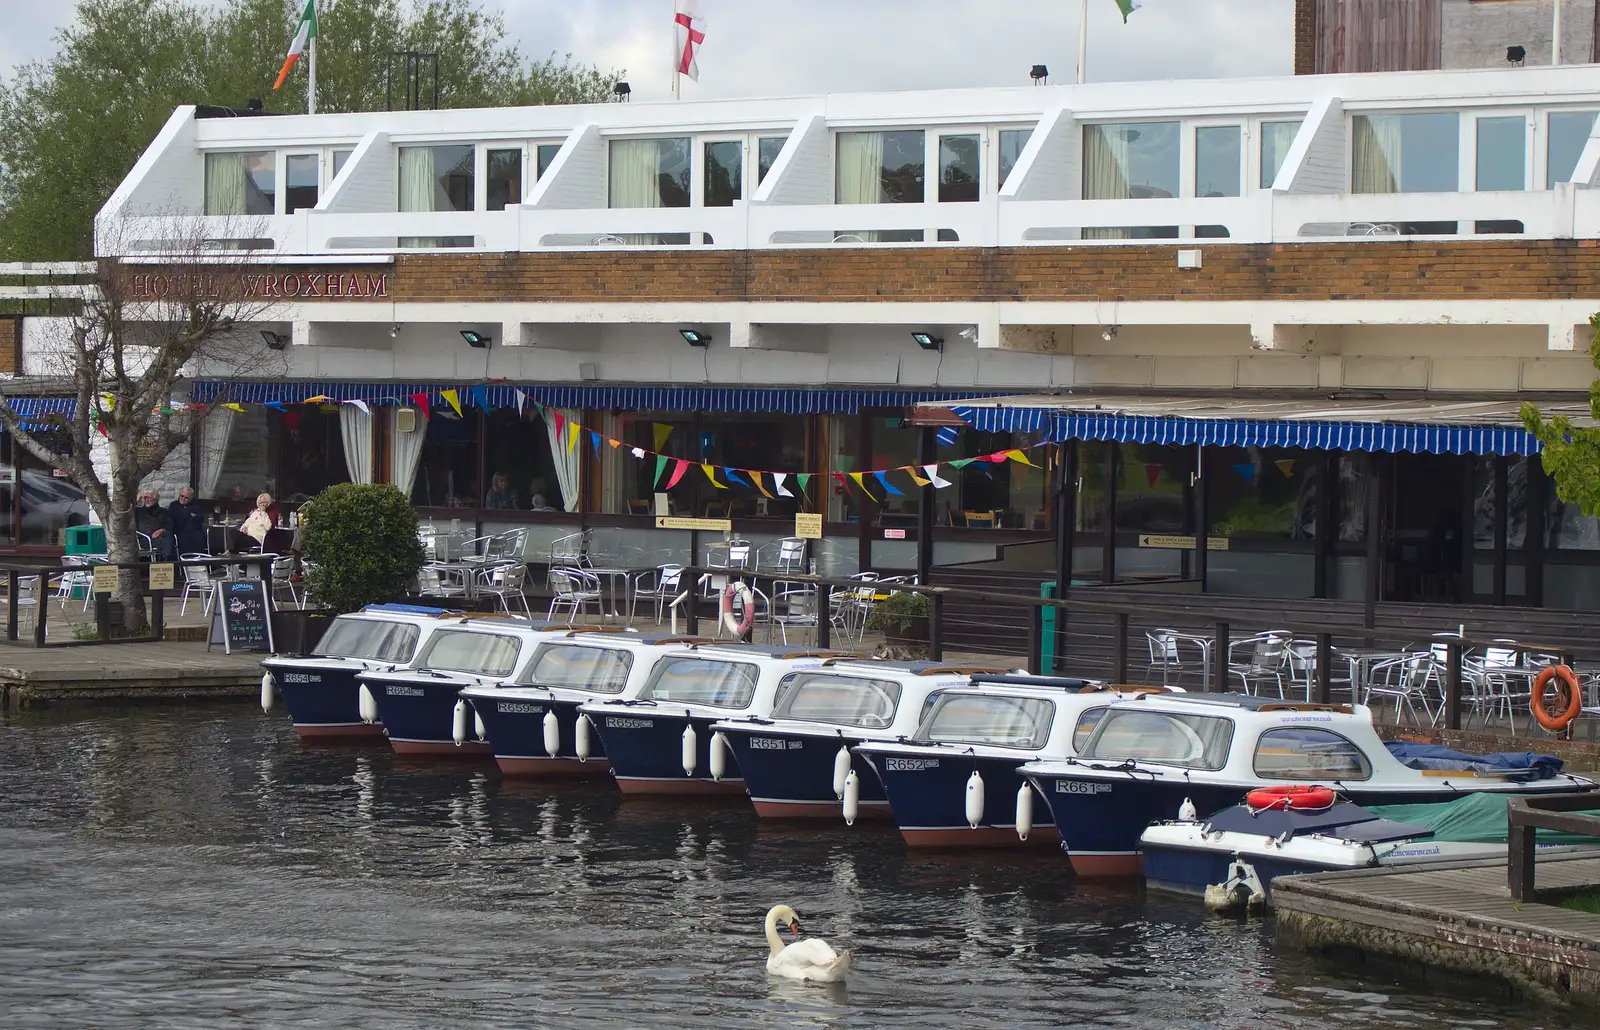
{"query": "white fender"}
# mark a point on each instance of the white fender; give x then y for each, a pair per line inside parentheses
(580, 738)
(458, 724)
(266, 692)
(719, 756)
(1186, 811)
(974, 799)
(1024, 811)
(852, 798)
(367, 705)
(841, 770)
(477, 725)
(552, 734)
(688, 750)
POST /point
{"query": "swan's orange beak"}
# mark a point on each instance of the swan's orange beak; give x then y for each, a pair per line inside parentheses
(794, 927)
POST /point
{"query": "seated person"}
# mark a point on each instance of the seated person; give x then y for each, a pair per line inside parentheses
(500, 495)
(155, 522)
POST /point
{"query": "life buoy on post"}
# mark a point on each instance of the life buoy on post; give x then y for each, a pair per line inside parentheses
(1569, 685)
(1291, 798)
(738, 626)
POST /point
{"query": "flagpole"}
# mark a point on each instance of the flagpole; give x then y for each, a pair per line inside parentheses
(1083, 38)
(311, 78)
(675, 58)
(1555, 36)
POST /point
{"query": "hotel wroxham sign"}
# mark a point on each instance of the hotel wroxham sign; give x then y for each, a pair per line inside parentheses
(267, 285)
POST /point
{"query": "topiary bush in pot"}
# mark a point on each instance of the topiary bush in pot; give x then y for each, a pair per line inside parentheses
(361, 543)
(901, 616)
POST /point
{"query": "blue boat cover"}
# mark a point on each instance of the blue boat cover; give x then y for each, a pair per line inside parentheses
(1530, 766)
(1342, 820)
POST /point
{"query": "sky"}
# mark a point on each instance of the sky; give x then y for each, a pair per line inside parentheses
(787, 47)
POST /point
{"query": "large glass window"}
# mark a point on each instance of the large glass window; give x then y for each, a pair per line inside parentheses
(1406, 153)
(1152, 480)
(990, 495)
(1012, 143)
(1189, 741)
(310, 447)
(1130, 160)
(1502, 158)
(600, 670)
(960, 158)
(293, 454)
(522, 473)
(767, 150)
(1276, 139)
(504, 174)
(436, 178)
(879, 167)
(354, 637)
(838, 700)
(241, 184)
(769, 443)
(1569, 131)
(447, 473)
(301, 173)
(481, 654)
(699, 681)
(1021, 722)
(724, 173)
(36, 503)
(1309, 755)
(1263, 493)
(650, 172)
(1217, 156)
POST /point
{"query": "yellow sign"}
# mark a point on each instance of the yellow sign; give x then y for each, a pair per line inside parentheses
(679, 522)
(105, 579)
(1181, 543)
(161, 576)
(808, 526)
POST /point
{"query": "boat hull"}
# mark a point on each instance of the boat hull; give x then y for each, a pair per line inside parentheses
(420, 717)
(516, 736)
(645, 746)
(323, 702)
(928, 793)
(790, 775)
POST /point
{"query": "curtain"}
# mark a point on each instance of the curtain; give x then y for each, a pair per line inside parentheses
(405, 454)
(860, 173)
(1376, 164)
(566, 461)
(224, 184)
(418, 185)
(1105, 172)
(635, 173)
(355, 427)
(1276, 139)
(217, 429)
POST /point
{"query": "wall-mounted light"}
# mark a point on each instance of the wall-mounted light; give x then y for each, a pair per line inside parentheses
(1109, 333)
(928, 341)
(277, 341)
(474, 339)
(695, 338)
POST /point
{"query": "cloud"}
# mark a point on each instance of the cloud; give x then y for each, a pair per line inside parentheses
(784, 47)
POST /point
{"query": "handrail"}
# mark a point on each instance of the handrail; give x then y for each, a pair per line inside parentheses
(1544, 812)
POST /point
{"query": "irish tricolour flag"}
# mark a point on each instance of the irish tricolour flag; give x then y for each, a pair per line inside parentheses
(308, 31)
(1126, 6)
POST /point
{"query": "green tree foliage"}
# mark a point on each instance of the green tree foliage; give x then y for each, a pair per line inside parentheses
(1571, 453)
(73, 125)
(362, 543)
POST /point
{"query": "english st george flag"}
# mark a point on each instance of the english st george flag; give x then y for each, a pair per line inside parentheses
(691, 30)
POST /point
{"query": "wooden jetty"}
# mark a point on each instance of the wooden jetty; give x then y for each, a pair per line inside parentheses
(1458, 917)
(166, 670)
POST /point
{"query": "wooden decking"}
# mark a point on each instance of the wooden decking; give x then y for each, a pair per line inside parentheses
(1457, 917)
(168, 670)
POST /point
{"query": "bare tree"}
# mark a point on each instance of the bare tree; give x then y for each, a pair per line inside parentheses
(137, 330)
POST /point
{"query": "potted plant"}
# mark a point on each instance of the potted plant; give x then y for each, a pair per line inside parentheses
(902, 617)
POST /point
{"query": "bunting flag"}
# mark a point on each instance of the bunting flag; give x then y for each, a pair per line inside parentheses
(711, 474)
(276, 406)
(677, 472)
(559, 419)
(883, 481)
(522, 402)
(1152, 472)
(1247, 472)
(239, 408)
(594, 438)
(960, 463)
(662, 432)
(934, 478)
(360, 406)
(1286, 466)
(421, 401)
(452, 398)
(777, 484)
(478, 397)
(858, 476)
(1016, 454)
(844, 483)
(759, 485)
(804, 479)
(320, 398)
(661, 466)
(733, 476)
(638, 452)
(916, 476)
(614, 443)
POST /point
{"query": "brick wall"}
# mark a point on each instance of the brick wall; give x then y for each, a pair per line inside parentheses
(10, 343)
(1537, 269)
(1305, 37)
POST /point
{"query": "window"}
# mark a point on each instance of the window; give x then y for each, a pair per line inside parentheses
(436, 178)
(480, 654)
(1012, 143)
(600, 670)
(767, 150)
(1021, 722)
(293, 454)
(960, 158)
(1152, 480)
(544, 155)
(1502, 153)
(1569, 131)
(697, 681)
(1086, 724)
(650, 172)
(300, 172)
(504, 173)
(1008, 495)
(36, 504)
(447, 472)
(1134, 160)
(339, 158)
(724, 173)
(1276, 139)
(1306, 754)
(1190, 741)
(310, 451)
(1218, 152)
(879, 168)
(1263, 493)
(1406, 153)
(517, 447)
(773, 443)
(241, 184)
(369, 638)
(838, 700)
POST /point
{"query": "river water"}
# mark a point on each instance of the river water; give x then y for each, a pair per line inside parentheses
(198, 867)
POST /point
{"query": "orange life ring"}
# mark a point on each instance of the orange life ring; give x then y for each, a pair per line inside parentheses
(738, 626)
(1295, 798)
(1569, 683)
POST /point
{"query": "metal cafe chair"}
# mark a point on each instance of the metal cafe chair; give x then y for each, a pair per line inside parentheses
(1163, 655)
(663, 587)
(573, 589)
(504, 581)
(196, 580)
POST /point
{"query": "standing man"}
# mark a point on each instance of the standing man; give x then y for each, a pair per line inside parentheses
(189, 522)
(153, 521)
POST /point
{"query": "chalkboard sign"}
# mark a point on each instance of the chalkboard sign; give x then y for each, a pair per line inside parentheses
(244, 614)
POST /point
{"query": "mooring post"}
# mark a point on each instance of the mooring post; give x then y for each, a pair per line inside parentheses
(1519, 854)
(1325, 670)
(41, 608)
(824, 610)
(1219, 659)
(1119, 648)
(936, 629)
(13, 584)
(1035, 639)
(1452, 685)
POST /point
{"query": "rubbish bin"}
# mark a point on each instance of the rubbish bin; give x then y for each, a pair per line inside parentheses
(85, 539)
(1047, 631)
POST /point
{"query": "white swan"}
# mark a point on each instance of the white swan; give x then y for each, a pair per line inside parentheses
(810, 959)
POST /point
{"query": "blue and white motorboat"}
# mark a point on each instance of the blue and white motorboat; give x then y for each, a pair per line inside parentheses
(799, 763)
(320, 690)
(533, 722)
(661, 741)
(421, 707)
(1155, 756)
(954, 782)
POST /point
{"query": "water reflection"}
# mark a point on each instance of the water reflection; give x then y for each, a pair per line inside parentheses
(198, 867)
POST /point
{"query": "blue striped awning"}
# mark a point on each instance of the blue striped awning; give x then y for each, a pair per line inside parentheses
(1419, 437)
(620, 398)
(34, 409)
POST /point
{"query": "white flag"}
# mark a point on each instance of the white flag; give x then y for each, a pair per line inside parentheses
(691, 30)
(638, 452)
(361, 406)
(933, 474)
(777, 481)
(522, 399)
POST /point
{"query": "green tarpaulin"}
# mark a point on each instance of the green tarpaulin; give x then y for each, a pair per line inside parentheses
(1476, 819)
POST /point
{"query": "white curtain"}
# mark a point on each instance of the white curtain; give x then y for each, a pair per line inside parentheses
(566, 462)
(1276, 139)
(418, 186)
(214, 435)
(1105, 172)
(859, 178)
(405, 453)
(355, 426)
(224, 184)
(635, 173)
(1376, 164)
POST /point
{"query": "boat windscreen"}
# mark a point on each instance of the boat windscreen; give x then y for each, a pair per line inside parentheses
(1163, 738)
(837, 700)
(701, 681)
(369, 638)
(599, 670)
(480, 654)
(1020, 722)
